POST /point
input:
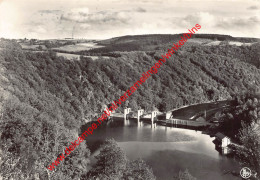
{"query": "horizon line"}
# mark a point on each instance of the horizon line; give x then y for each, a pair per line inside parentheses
(82, 38)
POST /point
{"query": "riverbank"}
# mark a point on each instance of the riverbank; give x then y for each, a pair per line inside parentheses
(168, 150)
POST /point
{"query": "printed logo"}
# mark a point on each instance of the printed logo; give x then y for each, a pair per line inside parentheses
(245, 173)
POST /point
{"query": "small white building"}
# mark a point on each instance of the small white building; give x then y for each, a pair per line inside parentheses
(223, 141)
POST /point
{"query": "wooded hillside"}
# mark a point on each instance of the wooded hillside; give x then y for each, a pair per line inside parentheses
(45, 98)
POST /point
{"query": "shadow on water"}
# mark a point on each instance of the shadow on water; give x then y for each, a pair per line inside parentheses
(167, 149)
(199, 165)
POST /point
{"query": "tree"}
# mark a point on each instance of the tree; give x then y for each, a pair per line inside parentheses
(111, 162)
(184, 176)
(212, 95)
(138, 170)
(249, 152)
(40, 47)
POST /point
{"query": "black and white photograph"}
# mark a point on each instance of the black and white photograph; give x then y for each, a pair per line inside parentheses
(129, 90)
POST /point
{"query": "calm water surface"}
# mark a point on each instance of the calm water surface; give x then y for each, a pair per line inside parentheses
(168, 150)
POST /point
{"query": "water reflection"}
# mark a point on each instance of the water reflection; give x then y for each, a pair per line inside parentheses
(168, 150)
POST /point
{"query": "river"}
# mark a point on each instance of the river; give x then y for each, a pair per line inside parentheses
(167, 150)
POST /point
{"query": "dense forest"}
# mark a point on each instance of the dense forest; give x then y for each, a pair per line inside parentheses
(112, 163)
(45, 98)
(241, 122)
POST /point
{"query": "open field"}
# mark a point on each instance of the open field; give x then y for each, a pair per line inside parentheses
(77, 57)
(239, 43)
(215, 43)
(78, 47)
(33, 47)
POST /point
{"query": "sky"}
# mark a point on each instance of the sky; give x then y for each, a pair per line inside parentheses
(102, 19)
